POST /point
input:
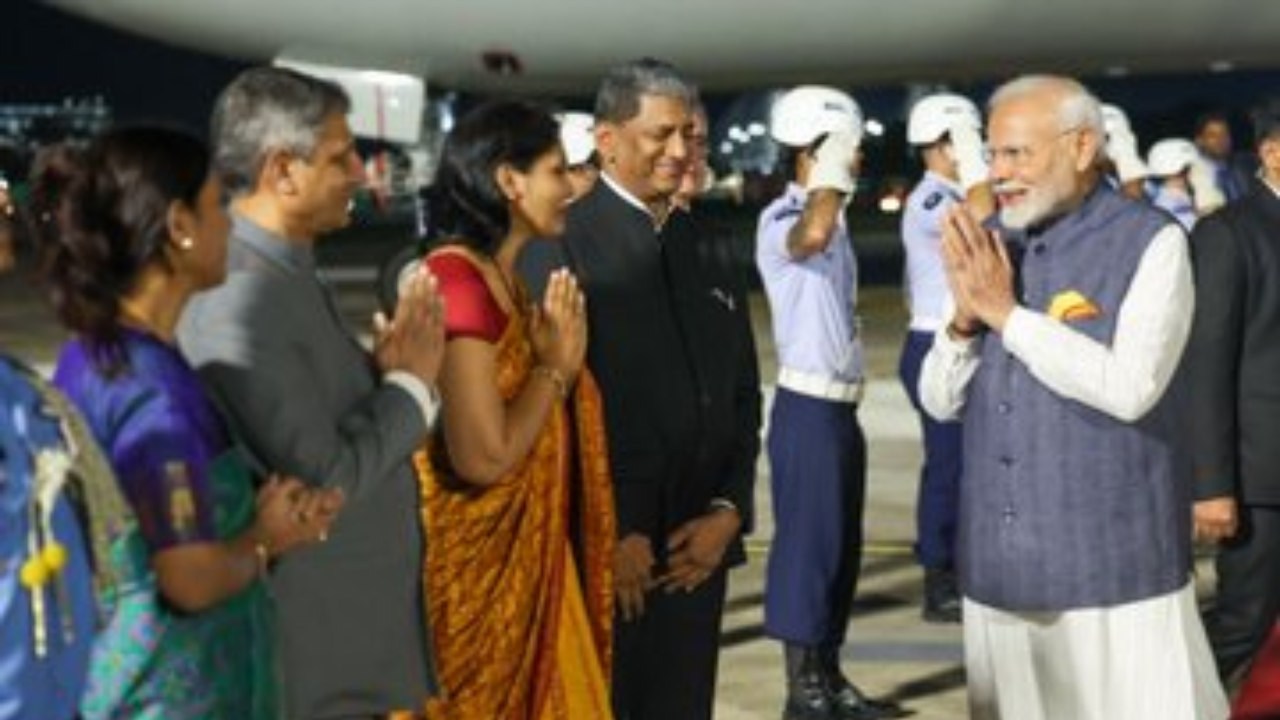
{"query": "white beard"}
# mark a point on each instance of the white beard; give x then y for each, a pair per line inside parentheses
(1036, 205)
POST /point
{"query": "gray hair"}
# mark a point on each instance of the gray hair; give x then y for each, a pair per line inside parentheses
(1076, 106)
(618, 98)
(268, 109)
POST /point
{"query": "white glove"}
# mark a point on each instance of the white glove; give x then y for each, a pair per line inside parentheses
(1122, 148)
(833, 163)
(966, 147)
(1204, 187)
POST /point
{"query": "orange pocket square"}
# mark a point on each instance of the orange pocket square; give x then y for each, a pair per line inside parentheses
(1071, 305)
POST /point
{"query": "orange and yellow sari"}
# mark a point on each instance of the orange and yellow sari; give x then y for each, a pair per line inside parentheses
(519, 574)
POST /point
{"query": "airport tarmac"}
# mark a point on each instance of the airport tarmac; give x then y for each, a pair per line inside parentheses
(890, 652)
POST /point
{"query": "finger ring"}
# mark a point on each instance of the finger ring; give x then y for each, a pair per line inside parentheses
(323, 536)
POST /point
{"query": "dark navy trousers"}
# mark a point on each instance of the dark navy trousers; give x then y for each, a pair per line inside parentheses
(818, 461)
(938, 503)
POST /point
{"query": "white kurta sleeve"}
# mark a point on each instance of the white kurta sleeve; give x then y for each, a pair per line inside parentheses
(945, 374)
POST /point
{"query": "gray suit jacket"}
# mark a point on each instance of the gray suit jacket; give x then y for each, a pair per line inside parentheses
(303, 398)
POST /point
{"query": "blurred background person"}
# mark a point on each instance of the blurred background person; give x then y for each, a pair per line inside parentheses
(132, 228)
(944, 129)
(577, 136)
(1231, 173)
(516, 490)
(1170, 162)
(8, 226)
(817, 451)
(697, 172)
(1122, 160)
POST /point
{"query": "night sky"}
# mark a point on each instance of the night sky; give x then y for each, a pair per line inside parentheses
(46, 56)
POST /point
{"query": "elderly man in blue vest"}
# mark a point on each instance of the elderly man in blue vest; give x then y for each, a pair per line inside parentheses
(1071, 314)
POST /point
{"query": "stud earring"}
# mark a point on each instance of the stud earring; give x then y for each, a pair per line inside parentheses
(186, 243)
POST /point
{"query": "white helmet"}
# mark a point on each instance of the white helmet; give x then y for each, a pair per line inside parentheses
(1171, 156)
(577, 137)
(807, 112)
(934, 116)
(1113, 119)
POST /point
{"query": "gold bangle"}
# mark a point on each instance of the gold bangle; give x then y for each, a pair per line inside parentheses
(556, 377)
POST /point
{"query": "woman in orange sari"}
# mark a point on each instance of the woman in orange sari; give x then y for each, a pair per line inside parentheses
(517, 499)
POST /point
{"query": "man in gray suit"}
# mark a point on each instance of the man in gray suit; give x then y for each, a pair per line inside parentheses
(303, 396)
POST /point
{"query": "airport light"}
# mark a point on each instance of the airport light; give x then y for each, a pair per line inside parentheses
(890, 204)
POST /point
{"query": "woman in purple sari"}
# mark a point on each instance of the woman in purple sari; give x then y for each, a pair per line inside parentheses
(131, 229)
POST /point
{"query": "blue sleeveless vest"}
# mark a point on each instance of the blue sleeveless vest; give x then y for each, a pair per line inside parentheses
(1062, 506)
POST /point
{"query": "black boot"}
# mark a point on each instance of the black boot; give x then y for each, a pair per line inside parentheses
(847, 701)
(941, 596)
(807, 697)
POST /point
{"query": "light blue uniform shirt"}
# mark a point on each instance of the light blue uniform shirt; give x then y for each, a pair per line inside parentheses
(1176, 203)
(926, 282)
(812, 300)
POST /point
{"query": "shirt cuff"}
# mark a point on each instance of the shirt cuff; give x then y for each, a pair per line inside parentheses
(955, 347)
(1019, 331)
(426, 397)
(724, 503)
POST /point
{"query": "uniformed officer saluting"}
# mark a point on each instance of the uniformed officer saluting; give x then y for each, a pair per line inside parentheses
(943, 128)
(816, 447)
